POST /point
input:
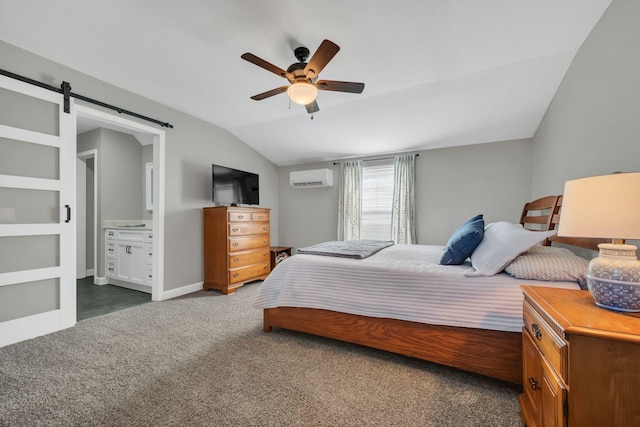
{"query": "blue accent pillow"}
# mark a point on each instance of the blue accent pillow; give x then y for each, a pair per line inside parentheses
(463, 241)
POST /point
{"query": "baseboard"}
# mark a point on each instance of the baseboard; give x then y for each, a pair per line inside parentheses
(90, 272)
(100, 280)
(183, 290)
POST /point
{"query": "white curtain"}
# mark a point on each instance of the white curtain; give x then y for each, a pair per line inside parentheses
(403, 211)
(350, 201)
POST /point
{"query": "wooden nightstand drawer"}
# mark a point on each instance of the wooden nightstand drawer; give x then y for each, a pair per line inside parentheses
(244, 243)
(239, 216)
(243, 229)
(549, 342)
(600, 375)
(247, 258)
(252, 272)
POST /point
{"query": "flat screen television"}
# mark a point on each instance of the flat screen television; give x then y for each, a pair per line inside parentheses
(234, 187)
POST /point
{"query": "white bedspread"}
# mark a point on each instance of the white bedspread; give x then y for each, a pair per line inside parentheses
(403, 282)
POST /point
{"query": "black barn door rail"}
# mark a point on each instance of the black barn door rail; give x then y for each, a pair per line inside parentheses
(65, 90)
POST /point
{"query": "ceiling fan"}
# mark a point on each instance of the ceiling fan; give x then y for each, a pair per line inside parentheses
(303, 76)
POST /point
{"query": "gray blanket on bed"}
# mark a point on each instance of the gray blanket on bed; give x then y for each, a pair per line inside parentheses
(347, 249)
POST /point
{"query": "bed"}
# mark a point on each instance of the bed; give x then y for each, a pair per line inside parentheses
(402, 300)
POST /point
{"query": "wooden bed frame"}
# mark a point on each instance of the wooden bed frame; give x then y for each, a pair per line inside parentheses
(496, 354)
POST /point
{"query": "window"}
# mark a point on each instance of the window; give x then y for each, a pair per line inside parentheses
(377, 200)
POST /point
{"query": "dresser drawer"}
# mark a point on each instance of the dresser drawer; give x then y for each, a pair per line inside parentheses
(260, 216)
(247, 258)
(548, 341)
(248, 273)
(244, 243)
(239, 216)
(241, 229)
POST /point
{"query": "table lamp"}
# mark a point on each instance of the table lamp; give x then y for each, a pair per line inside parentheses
(607, 207)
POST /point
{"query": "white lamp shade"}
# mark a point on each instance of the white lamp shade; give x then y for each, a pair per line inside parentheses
(302, 93)
(605, 206)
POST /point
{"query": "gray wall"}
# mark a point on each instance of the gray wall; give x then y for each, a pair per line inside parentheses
(191, 147)
(452, 185)
(592, 126)
(120, 180)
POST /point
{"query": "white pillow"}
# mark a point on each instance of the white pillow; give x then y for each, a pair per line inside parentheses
(502, 242)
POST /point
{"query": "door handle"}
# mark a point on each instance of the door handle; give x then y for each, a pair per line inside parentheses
(68, 208)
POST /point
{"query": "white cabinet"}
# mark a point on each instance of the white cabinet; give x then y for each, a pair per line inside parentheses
(129, 258)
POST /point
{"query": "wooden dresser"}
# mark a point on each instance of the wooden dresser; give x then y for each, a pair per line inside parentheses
(581, 363)
(236, 247)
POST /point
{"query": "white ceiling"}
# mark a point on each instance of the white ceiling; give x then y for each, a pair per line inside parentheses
(438, 73)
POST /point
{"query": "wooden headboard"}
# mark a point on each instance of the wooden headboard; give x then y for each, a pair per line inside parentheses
(544, 214)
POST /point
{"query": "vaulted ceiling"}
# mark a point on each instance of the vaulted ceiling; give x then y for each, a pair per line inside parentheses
(437, 73)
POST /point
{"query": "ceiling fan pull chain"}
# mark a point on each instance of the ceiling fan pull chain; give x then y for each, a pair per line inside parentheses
(311, 116)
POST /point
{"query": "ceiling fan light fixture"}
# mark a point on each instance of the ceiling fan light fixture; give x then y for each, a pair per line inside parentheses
(302, 93)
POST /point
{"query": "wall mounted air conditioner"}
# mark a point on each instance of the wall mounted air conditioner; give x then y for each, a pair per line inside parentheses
(311, 178)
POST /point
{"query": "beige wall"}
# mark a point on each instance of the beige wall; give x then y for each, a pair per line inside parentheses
(452, 185)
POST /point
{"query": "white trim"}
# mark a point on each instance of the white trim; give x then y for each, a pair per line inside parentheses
(24, 135)
(158, 187)
(24, 328)
(13, 230)
(28, 183)
(158, 216)
(183, 290)
(67, 171)
(93, 154)
(100, 280)
(81, 218)
(24, 276)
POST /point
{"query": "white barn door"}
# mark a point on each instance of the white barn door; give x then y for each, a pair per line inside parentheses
(37, 212)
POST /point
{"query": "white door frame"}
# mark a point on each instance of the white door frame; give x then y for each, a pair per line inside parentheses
(81, 219)
(158, 136)
(84, 156)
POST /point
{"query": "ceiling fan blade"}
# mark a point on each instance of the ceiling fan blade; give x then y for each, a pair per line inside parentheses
(266, 65)
(269, 93)
(321, 58)
(313, 107)
(340, 86)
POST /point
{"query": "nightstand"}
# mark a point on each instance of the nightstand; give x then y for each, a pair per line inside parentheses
(278, 253)
(581, 363)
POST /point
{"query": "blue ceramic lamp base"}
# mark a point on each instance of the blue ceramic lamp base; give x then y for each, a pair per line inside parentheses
(613, 278)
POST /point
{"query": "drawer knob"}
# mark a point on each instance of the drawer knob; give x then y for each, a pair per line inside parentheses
(236, 259)
(235, 229)
(240, 216)
(235, 244)
(536, 331)
(534, 384)
(235, 275)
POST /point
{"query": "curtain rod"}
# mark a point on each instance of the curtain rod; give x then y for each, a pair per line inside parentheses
(373, 160)
(65, 90)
